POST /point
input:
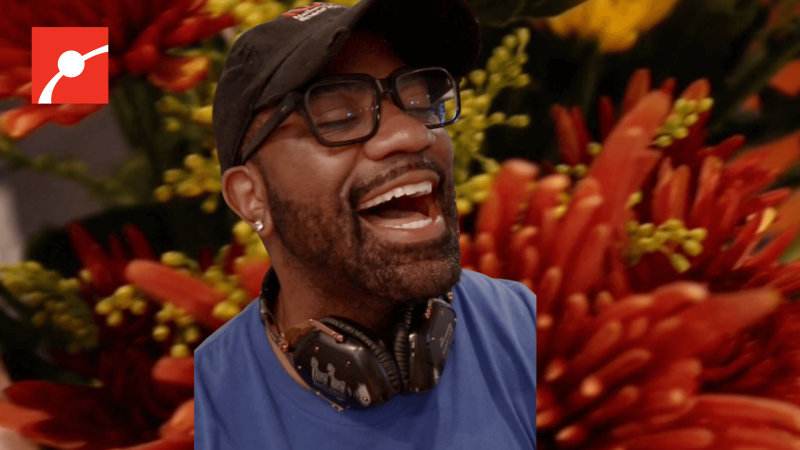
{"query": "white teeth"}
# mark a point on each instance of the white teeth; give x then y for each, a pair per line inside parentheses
(417, 224)
(412, 190)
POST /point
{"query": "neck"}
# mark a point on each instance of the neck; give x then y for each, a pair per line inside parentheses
(299, 300)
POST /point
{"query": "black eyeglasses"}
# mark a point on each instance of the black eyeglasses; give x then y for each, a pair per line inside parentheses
(346, 109)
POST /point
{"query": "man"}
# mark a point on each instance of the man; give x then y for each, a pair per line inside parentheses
(330, 131)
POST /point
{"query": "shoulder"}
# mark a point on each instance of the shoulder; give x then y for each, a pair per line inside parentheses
(228, 340)
(484, 295)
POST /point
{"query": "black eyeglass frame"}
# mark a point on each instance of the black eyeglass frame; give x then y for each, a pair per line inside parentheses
(300, 98)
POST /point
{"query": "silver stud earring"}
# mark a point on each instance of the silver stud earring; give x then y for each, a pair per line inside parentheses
(259, 226)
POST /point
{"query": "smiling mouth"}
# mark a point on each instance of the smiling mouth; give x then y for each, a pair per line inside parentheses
(408, 207)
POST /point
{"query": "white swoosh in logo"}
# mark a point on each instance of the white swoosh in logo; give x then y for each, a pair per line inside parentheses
(47, 93)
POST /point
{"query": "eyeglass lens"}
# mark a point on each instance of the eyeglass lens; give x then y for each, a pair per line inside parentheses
(346, 110)
(342, 110)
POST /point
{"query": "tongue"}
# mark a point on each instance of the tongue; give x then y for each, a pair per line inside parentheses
(394, 217)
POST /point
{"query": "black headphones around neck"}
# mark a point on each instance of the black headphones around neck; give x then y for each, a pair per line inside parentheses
(348, 368)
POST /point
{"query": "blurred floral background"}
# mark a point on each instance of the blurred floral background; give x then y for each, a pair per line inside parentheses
(634, 162)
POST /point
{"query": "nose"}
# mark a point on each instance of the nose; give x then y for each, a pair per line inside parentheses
(397, 132)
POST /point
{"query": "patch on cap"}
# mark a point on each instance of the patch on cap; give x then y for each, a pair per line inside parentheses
(304, 13)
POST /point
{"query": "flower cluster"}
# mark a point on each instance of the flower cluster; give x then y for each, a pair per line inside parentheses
(134, 393)
(53, 302)
(643, 276)
(478, 90)
(201, 176)
(141, 319)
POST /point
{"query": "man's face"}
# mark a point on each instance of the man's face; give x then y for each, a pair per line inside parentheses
(327, 203)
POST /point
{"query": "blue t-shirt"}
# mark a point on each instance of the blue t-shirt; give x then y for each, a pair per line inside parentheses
(486, 397)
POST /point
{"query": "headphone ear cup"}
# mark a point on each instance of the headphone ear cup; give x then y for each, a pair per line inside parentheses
(383, 356)
(401, 344)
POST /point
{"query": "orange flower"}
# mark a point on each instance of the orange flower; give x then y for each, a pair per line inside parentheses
(137, 394)
(139, 34)
(652, 341)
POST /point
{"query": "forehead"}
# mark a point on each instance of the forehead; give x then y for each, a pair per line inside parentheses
(364, 52)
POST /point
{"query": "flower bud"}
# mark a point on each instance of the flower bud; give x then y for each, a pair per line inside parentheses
(104, 307)
(524, 35)
(139, 307)
(705, 105)
(210, 204)
(161, 332)
(163, 193)
(692, 247)
(519, 121)
(477, 77)
(202, 115)
(698, 234)
(194, 161)
(114, 318)
(501, 54)
(496, 118)
(225, 310)
(192, 335)
(679, 262)
(68, 285)
(242, 232)
(680, 133)
(510, 41)
(464, 206)
(179, 351)
(664, 141)
(173, 259)
(184, 320)
(189, 188)
(172, 125)
(594, 148)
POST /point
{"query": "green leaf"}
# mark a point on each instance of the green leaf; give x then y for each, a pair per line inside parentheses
(781, 46)
(547, 8)
(496, 13)
(21, 346)
(499, 13)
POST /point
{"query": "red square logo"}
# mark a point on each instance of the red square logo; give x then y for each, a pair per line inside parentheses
(70, 65)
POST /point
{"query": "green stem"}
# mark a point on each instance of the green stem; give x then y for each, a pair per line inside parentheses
(102, 188)
(754, 78)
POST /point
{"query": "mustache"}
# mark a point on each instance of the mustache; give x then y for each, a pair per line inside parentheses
(361, 189)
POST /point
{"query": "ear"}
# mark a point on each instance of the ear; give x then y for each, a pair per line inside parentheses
(245, 191)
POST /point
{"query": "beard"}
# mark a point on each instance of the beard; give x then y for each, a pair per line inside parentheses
(329, 240)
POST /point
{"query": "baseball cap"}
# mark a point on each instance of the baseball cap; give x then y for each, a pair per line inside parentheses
(277, 57)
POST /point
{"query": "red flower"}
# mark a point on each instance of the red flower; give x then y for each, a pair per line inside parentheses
(137, 394)
(674, 341)
(135, 388)
(139, 34)
(140, 399)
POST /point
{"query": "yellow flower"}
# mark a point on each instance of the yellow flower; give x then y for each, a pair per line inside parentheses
(616, 24)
